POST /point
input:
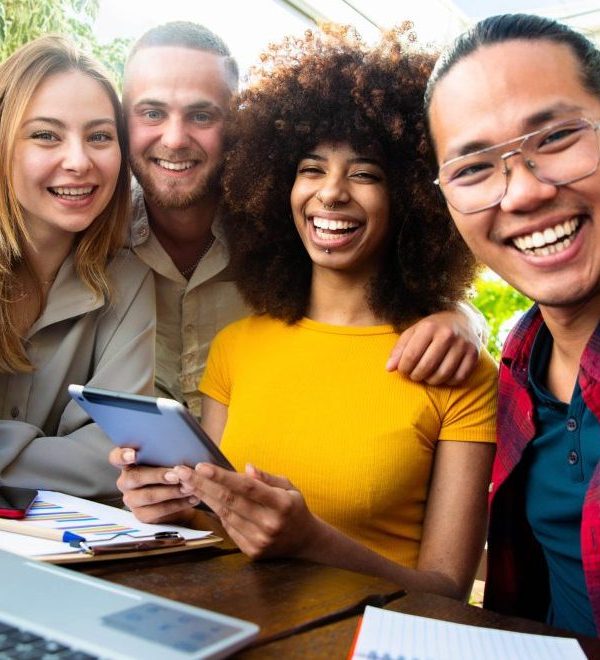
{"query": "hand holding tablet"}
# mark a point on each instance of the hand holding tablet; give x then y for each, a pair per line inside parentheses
(162, 431)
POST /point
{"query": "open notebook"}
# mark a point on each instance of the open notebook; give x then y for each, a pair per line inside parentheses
(388, 635)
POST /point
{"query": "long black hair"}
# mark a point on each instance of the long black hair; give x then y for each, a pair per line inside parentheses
(508, 27)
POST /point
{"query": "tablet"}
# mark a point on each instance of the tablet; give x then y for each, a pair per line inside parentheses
(162, 431)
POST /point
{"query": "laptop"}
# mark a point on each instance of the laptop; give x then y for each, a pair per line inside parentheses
(45, 608)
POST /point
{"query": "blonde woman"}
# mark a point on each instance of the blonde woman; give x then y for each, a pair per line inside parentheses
(74, 306)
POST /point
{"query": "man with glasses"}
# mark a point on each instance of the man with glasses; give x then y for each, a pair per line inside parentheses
(514, 112)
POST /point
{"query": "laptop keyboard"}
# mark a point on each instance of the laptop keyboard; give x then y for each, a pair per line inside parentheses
(19, 643)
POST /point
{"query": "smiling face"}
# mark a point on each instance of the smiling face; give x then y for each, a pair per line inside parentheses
(340, 203)
(67, 157)
(175, 102)
(543, 239)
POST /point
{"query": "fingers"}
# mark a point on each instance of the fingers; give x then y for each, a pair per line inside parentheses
(136, 476)
(269, 479)
(460, 367)
(229, 487)
(436, 352)
(419, 356)
(154, 504)
(260, 518)
(397, 353)
(457, 364)
(441, 359)
(153, 494)
(121, 458)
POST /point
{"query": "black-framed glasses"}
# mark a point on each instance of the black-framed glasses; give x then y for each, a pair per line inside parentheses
(559, 154)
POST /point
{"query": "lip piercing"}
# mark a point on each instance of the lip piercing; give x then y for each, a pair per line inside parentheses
(327, 251)
(327, 207)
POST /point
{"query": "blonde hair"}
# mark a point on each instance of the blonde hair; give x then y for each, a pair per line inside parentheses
(20, 76)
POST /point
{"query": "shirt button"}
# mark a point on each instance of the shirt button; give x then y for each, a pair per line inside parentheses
(14, 412)
(571, 424)
(572, 457)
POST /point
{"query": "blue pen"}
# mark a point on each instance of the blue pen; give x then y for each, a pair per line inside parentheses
(20, 527)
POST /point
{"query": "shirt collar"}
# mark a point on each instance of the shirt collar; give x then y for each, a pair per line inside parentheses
(519, 344)
(590, 360)
(69, 297)
(140, 224)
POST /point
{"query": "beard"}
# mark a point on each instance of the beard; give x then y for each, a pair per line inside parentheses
(168, 195)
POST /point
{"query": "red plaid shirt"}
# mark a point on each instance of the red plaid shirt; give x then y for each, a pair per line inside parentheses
(517, 579)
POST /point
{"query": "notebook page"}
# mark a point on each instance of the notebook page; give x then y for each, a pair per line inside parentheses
(95, 522)
(386, 635)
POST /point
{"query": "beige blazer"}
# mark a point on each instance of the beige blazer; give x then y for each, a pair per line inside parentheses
(46, 440)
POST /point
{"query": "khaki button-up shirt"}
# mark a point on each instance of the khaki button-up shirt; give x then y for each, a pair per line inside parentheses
(189, 313)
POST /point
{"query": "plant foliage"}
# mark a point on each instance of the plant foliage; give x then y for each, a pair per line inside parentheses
(501, 305)
(24, 20)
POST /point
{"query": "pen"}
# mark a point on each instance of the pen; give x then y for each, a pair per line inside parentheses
(19, 527)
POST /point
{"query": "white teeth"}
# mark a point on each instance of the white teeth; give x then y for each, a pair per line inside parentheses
(550, 241)
(538, 239)
(73, 192)
(178, 167)
(520, 243)
(326, 236)
(333, 225)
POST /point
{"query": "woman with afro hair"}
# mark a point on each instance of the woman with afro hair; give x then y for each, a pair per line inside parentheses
(339, 243)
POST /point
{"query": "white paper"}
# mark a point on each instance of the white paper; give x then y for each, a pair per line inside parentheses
(95, 522)
(396, 636)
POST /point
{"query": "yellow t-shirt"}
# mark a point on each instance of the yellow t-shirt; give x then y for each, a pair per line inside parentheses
(313, 402)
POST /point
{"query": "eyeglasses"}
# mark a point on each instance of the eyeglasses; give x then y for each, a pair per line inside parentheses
(558, 154)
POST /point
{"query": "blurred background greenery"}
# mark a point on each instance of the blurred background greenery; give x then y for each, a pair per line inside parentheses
(24, 20)
(501, 305)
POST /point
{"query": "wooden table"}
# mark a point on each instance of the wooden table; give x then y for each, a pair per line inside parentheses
(334, 641)
(281, 596)
(304, 610)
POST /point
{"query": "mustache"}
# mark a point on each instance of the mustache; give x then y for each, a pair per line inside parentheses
(177, 155)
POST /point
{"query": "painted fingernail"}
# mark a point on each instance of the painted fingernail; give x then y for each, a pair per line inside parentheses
(171, 477)
(128, 456)
(205, 470)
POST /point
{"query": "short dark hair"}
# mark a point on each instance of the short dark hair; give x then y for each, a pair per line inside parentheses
(186, 34)
(331, 87)
(508, 27)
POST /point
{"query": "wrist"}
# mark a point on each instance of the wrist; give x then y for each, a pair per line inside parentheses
(316, 541)
(476, 319)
